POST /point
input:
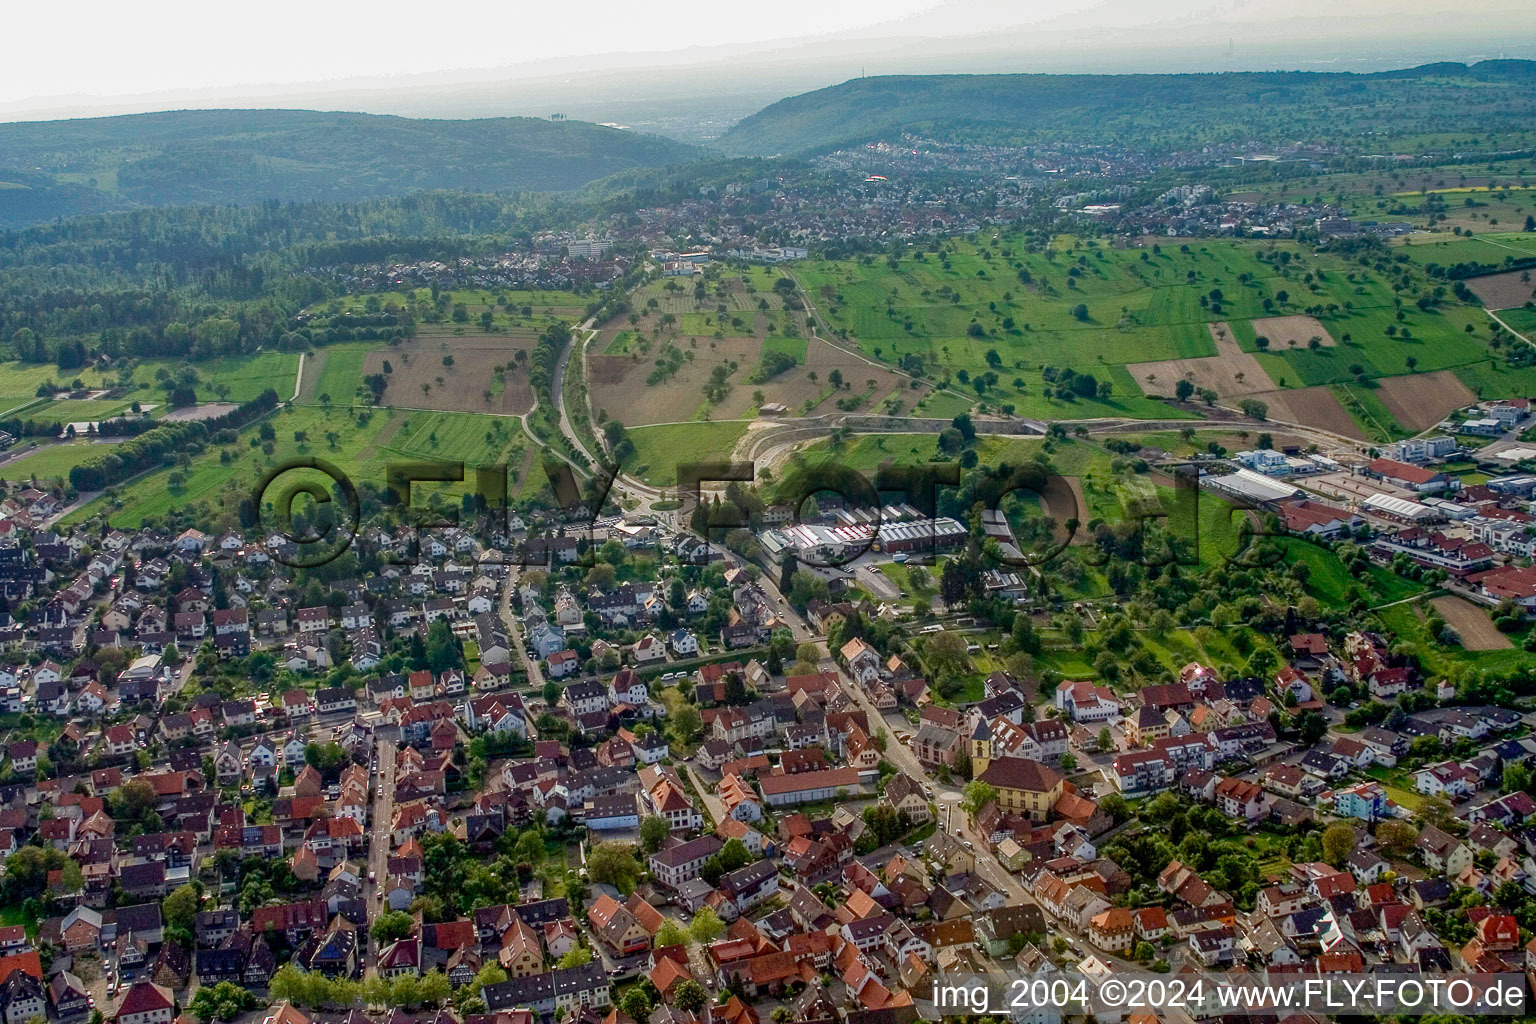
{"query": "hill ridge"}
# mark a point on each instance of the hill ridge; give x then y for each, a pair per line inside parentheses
(241, 156)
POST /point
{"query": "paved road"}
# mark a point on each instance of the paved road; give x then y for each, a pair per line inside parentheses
(797, 625)
(952, 819)
(557, 386)
(379, 840)
(947, 798)
(515, 634)
(625, 486)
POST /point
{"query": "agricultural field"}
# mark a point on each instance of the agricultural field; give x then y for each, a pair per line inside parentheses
(335, 371)
(1419, 401)
(866, 452)
(662, 367)
(473, 374)
(1521, 321)
(1397, 194)
(1508, 290)
(449, 369)
(1314, 407)
(1231, 372)
(1471, 623)
(741, 290)
(232, 378)
(1406, 621)
(1282, 333)
(1241, 318)
(1493, 247)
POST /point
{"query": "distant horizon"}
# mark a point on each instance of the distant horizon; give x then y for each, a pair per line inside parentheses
(708, 79)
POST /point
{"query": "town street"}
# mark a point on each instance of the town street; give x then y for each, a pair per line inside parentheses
(379, 840)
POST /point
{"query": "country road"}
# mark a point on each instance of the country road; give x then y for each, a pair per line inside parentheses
(626, 485)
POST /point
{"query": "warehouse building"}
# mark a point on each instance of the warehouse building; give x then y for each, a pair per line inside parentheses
(1254, 488)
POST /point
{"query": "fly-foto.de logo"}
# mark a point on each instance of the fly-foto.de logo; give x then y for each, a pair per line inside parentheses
(1015, 517)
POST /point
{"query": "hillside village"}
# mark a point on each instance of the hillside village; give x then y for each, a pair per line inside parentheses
(659, 785)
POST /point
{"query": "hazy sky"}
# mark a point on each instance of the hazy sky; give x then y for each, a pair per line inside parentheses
(117, 48)
(173, 48)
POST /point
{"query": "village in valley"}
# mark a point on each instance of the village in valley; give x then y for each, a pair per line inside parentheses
(631, 776)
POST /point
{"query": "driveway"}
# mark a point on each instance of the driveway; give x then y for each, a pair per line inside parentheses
(713, 805)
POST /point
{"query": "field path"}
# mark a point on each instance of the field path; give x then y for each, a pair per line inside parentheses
(298, 381)
(1500, 321)
(814, 320)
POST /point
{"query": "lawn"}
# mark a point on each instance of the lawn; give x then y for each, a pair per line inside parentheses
(1330, 582)
(1398, 785)
(15, 914)
(660, 450)
(1069, 662)
(865, 452)
(66, 410)
(901, 576)
(360, 445)
(52, 462)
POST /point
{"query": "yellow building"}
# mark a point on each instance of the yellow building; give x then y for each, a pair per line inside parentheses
(1024, 785)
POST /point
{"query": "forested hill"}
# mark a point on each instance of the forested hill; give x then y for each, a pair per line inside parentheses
(54, 169)
(1173, 112)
